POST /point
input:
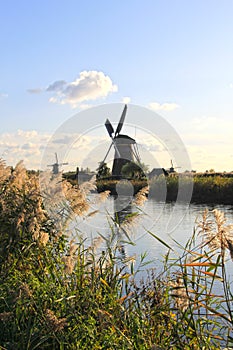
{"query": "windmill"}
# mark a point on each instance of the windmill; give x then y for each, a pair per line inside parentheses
(126, 150)
(56, 165)
(172, 168)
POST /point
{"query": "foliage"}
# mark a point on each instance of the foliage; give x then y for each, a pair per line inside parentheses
(103, 171)
(206, 189)
(110, 185)
(57, 293)
(134, 171)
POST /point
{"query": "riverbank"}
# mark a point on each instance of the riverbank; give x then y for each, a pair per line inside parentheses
(206, 189)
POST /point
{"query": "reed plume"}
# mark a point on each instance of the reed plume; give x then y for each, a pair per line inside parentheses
(6, 316)
(102, 196)
(215, 232)
(141, 196)
(180, 294)
(56, 324)
(5, 171)
(69, 259)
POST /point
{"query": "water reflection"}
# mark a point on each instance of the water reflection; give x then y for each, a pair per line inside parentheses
(122, 208)
(155, 217)
(122, 211)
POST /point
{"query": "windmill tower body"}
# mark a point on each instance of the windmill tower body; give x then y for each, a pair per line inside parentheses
(55, 168)
(123, 153)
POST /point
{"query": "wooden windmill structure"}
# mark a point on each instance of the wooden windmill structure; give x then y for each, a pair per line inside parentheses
(172, 170)
(126, 150)
(55, 166)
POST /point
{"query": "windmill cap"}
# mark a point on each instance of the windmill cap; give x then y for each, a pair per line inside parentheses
(125, 139)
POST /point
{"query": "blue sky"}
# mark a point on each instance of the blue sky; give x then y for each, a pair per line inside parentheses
(173, 56)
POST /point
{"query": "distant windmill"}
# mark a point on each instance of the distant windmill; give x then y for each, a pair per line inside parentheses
(126, 150)
(56, 165)
(172, 168)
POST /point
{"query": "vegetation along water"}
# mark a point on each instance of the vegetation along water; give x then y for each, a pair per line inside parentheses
(58, 293)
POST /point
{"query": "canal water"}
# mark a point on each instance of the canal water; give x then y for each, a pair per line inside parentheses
(172, 223)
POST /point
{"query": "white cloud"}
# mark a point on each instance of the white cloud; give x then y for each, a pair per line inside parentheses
(57, 86)
(212, 126)
(25, 145)
(168, 107)
(89, 86)
(30, 146)
(35, 91)
(231, 86)
(27, 134)
(209, 142)
(3, 96)
(84, 106)
(126, 100)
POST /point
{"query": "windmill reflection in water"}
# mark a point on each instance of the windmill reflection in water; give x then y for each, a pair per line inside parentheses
(123, 210)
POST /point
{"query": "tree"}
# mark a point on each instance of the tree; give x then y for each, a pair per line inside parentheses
(103, 171)
(134, 171)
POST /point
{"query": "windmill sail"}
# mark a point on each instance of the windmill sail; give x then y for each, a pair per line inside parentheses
(109, 127)
(121, 121)
(56, 157)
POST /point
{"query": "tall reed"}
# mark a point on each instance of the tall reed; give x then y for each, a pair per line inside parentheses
(60, 293)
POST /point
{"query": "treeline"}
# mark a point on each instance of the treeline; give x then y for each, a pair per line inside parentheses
(206, 189)
(213, 189)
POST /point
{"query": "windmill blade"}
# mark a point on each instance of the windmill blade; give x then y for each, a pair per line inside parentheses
(116, 149)
(63, 163)
(107, 154)
(56, 157)
(109, 127)
(121, 121)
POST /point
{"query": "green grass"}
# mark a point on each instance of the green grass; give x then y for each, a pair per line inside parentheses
(59, 294)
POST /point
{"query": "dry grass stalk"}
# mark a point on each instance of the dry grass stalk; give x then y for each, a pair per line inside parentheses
(88, 186)
(64, 201)
(92, 213)
(19, 175)
(215, 232)
(21, 195)
(24, 291)
(102, 197)
(6, 316)
(76, 198)
(130, 222)
(69, 259)
(141, 196)
(43, 238)
(56, 324)
(179, 292)
(96, 243)
(69, 264)
(5, 171)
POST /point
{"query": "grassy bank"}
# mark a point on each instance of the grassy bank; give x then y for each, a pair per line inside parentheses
(57, 292)
(214, 189)
(127, 186)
